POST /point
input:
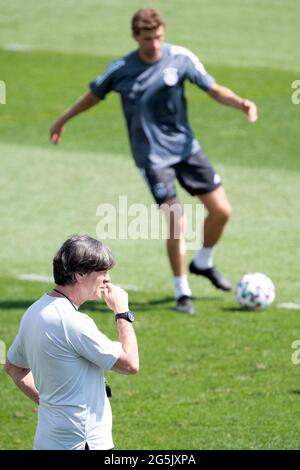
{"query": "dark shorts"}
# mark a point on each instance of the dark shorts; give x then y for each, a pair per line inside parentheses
(195, 174)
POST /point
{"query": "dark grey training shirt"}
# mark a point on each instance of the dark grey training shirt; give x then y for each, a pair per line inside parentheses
(154, 104)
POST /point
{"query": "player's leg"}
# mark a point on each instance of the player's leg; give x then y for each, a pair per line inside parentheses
(198, 177)
(175, 222)
(161, 184)
(219, 211)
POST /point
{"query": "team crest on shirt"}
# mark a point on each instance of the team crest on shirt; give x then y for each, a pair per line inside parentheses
(170, 76)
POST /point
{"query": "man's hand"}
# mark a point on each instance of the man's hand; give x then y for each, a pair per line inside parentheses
(249, 108)
(115, 298)
(226, 96)
(56, 132)
(82, 104)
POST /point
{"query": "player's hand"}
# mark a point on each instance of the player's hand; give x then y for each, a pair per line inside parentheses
(56, 132)
(115, 298)
(250, 109)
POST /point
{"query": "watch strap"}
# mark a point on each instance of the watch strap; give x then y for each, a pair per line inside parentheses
(129, 316)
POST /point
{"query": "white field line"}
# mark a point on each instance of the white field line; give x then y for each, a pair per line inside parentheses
(17, 47)
(289, 305)
(34, 277)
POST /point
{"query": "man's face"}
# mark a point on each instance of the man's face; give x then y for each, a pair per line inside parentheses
(150, 43)
(94, 283)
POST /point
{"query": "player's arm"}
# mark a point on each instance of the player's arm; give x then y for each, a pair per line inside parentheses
(128, 362)
(227, 97)
(23, 379)
(84, 103)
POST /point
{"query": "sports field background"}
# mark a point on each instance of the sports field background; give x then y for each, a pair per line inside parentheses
(223, 378)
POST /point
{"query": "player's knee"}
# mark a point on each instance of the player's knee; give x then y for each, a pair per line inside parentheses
(223, 213)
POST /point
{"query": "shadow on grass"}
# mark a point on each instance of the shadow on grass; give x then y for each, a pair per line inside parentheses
(16, 304)
(168, 303)
(238, 310)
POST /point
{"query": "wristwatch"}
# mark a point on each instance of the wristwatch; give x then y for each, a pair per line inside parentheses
(129, 316)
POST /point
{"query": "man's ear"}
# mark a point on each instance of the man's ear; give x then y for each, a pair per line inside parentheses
(79, 277)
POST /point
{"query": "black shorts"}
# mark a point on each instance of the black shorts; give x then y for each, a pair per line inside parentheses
(195, 174)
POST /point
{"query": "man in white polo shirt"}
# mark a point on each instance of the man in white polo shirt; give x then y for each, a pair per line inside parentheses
(59, 356)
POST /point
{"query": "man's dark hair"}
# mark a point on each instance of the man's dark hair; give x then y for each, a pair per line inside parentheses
(147, 19)
(80, 254)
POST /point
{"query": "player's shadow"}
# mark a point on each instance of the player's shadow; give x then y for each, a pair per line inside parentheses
(165, 303)
(236, 309)
(24, 304)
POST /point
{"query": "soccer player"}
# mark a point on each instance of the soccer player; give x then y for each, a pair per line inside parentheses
(150, 81)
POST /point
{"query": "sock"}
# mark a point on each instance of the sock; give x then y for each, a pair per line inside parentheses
(181, 286)
(204, 258)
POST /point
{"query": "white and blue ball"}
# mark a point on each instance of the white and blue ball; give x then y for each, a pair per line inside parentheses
(255, 291)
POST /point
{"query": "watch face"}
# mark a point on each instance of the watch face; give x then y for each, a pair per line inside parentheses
(130, 316)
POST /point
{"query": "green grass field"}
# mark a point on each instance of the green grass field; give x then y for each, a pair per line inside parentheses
(222, 379)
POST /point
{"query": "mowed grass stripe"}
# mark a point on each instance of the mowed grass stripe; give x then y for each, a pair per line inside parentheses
(48, 83)
(237, 34)
(61, 190)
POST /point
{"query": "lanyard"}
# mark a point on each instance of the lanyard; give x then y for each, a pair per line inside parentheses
(61, 293)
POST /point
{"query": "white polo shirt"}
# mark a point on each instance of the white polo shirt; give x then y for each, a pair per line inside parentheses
(67, 355)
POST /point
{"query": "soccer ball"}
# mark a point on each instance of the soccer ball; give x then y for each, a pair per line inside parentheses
(255, 291)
